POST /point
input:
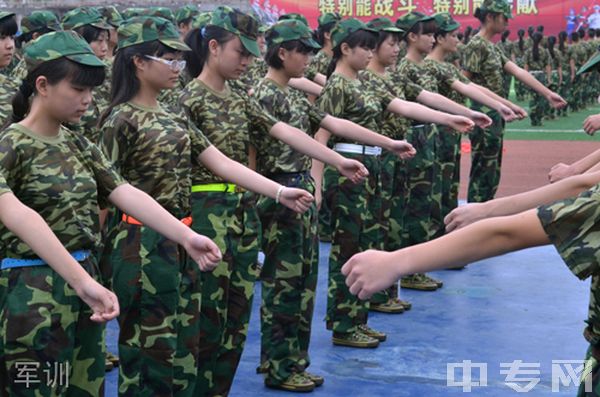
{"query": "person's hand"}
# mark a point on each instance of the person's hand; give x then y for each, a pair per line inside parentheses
(298, 200)
(591, 124)
(203, 251)
(507, 114)
(369, 272)
(465, 215)
(481, 119)
(402, 149)
(560, 171)
(460, 124)
(519, 111)
(353, 170)
(103, 302)
(556, 101)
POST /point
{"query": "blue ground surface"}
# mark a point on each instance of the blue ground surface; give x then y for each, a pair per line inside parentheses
(521, 306)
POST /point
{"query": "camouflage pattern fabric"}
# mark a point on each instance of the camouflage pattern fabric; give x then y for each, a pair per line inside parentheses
(318, 64)
(355, 208)
(242, 25)
(289, 272)
(226, 118)
(145, 29)
(486, 63)
(7, 90)
(414, 72)
(537, 104)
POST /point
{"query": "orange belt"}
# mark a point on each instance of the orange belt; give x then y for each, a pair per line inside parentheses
(132, 221)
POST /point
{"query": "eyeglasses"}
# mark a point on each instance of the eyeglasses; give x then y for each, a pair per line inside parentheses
(175, 65)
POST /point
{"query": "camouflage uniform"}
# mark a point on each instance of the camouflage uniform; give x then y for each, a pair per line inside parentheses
(570, 225)
(355, 208)
(486, 64)
(43, 321)
(448, 149)
(521, 89)
(556, 62)
(507, 49)
(579, 56)
(565, 88)
(318, 64)
(7, 90)
(289, 272)
(229, 217)
(537, 68)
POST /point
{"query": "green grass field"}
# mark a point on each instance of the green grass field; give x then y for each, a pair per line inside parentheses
(564, 128)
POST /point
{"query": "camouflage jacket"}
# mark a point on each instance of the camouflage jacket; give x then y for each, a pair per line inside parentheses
(506, 47)
(7, 90)
(415, 73)
(486, 63)
(354, 100)
(292, 107)
(227, 119)
(319, 64)
(64, 178)
(154, 150)
(445, 74)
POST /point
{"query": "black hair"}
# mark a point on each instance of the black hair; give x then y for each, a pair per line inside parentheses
(185, 21)
(540, 28)
(27, 37)
(460, 36)
(505, 35)
(562, 38)
(481, 14)
(321, 30)
(537, 38)
(581, 33)
(197, 40)
(467, 35)
(360, 38)
(90, 33)
(8, 26)
(574, 37)
(272, 56)
(125, 84)
(530, 30)
(383, 36)
(419, 28)
(54, 71)
(521, 34)
(551, 43)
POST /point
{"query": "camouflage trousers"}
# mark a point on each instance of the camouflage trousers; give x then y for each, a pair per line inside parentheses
(507, 79)
(231, 221)
(564, 91)
(355, 220)
(289, 282)
(592, 368)
(537, 103)
(48, 344)
(394, 191)
(159, 296)
(418, 222)
(486, 159)
(576, 97)
(324, 219)
(521, 90)
(448, 174)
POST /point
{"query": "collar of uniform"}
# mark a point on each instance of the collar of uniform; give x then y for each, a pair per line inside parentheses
(276, 84)
(157, 109)
(221, 94)
(46, 139)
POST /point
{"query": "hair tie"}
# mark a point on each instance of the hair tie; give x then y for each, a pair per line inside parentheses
(203, 31)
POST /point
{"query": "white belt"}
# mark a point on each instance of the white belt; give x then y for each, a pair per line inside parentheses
(357, 149)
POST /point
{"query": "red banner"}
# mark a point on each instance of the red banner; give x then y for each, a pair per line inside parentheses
(554, 15)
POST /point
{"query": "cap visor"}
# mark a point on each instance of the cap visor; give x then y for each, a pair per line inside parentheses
(250, 45)
(101, 25)
(590, 65)
(86, 59)
(393, 29)
(311, 43)
(175, 44)
(452, 27)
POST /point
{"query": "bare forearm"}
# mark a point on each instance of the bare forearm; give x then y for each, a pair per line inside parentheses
(305, 85)
(416, 111)
(474, 93)
(440, 102)
(354, 132)
(586, 163)
(527, 79)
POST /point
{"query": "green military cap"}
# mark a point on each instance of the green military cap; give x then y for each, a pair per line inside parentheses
(60, 44)
(238, 23)
(132, 12)
(5, 14)
(288, 30)
(162, 12)
(262, 29)
(383, 24)
(445, 22)
(500, 6)
(590, 65)
(329, 17)
(82, 16)
(111, 15)
(39, 20)
(345, 28)
(185, 12)
(201, 20)
(143, 29)
(294, 16)
(407, 21)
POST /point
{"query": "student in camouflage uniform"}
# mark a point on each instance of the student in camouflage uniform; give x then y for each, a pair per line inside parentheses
(485, 65)
(506, 46)
(538, 63)
(184, 17)
(568, 224)
(62, 60)
(519, 48)
(422, 217)
(565, 65)
(577, 59)
(556, 62)
(221, 52)
(396, 125)
(8, 28)
(289, 273)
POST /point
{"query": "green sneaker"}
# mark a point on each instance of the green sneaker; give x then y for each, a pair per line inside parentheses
(318, 380)
(113, 359)
(391, 307)
(406, 304)
(438, 283)
(365, 329)
(416, 281)
(354, 339)
(295, 383)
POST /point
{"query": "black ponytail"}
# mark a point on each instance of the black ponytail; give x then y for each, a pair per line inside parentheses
(521, 34)
(562, 38)
(54, 71)
(537, 38)
(197, 40)
(551, 44)
(321, 30)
